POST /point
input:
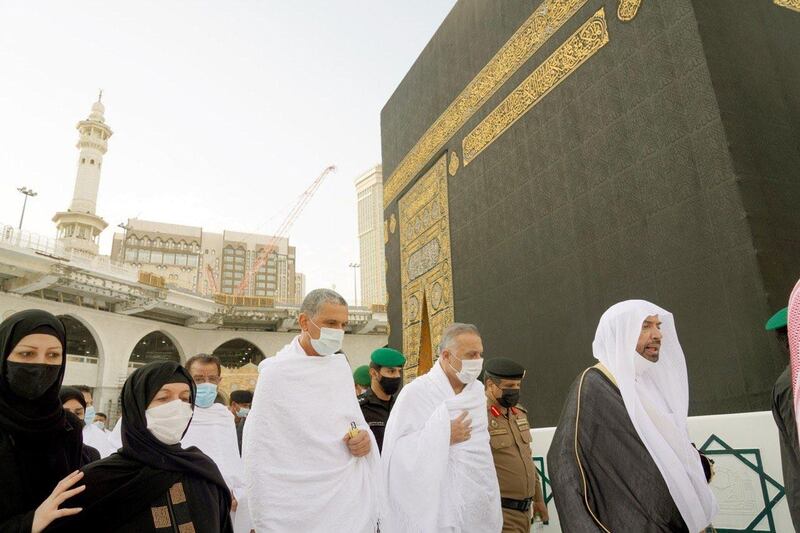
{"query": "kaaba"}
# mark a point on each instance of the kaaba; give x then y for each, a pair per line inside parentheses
(546, 159)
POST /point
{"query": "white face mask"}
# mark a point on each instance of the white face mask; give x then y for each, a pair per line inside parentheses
(642, 365)
(100, 424)
(329, 342)
(470, 370)
(169, 421)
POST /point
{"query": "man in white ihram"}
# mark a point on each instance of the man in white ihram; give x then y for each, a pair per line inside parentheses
(311, 462)
(437, 461)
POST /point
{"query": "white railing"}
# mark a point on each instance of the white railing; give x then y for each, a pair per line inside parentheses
(54, 248)
(31, 241)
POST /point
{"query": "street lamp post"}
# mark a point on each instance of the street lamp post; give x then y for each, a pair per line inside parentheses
(125, 228)
(355, 267)
(27, 192)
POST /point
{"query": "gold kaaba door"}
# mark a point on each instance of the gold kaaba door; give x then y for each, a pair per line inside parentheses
(426, 272)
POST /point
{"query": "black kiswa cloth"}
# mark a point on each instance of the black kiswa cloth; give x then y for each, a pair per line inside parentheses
(39, 444)
(611, 479)
(123, 488)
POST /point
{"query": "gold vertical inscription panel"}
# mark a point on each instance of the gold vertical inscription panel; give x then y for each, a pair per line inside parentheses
(579, 47)
(426, 272)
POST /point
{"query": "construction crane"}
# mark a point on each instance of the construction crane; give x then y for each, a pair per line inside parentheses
(211, 277)
(283, 230)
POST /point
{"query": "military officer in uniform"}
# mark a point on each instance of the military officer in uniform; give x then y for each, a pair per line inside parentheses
(510, 439)
(386, 376)
(361, 379)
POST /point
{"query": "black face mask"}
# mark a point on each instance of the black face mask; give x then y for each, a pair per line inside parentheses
(510, 398)
(31, 380)
(390, 385)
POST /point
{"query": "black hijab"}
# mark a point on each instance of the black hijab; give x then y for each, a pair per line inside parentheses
(137, 441)
(144, 468)
(71, 393)
(39, 443)
(39, 415)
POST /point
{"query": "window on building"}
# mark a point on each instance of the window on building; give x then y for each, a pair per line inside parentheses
(144, 256)
(181, 259)
(193, 260)
(91, 161)
(130, 255)
(169, 258)
(156, 257)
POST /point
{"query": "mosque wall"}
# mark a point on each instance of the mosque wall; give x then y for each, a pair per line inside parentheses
(595, 152)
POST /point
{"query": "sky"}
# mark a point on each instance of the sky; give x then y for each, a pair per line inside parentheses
(223, 112)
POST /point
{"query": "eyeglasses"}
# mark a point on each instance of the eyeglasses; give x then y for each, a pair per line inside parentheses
(207, 379)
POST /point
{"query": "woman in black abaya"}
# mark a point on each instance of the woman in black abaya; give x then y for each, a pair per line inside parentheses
(40, 445)
(73, 401)
(152, 484)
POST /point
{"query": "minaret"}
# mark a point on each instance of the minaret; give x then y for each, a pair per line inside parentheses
(79, 226)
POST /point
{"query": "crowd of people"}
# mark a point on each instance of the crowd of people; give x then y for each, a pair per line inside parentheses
(448, 452)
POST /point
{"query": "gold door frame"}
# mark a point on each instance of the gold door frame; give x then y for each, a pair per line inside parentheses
(426, 272)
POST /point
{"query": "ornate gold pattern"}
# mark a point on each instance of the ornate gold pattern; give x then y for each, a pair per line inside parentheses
(176, 493)
(789, 4)
(579, 47)
(627, 9)
(452, 168)
(242, 378)
(426, 273)
(161, 517)
(545, 20)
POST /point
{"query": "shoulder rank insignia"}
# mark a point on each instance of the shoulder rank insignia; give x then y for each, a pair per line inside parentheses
(494, 410)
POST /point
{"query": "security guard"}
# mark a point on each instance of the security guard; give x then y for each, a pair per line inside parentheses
(361, 379)
(510, 438)
(386, 376)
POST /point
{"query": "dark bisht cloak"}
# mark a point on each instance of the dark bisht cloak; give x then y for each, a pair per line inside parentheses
(122, 486)
(783, 412)
(39, 443)
(609, 478)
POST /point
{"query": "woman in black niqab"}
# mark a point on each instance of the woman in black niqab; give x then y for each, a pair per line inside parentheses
(149, 485)
(39, 443)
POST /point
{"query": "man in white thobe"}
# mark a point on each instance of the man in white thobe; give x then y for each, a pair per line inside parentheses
(213, 431)
(311, 461)
(437, 462)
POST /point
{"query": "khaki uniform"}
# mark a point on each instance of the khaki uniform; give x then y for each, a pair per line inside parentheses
(510, 439)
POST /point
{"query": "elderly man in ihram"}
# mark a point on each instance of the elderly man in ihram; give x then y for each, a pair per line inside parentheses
(311, 461)
(437, 461)
(621, 459)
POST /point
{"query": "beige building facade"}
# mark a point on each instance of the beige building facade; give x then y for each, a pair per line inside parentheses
(369, 190)
(208, 263)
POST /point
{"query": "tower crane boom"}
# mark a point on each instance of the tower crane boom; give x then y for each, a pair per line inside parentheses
(283, 230)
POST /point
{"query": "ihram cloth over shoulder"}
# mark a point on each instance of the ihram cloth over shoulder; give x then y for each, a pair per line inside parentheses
(300, 474)
(213, 431)
(431, 485)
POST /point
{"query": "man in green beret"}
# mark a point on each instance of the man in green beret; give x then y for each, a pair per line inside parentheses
(361, 379)
(783, 412)
(510, 437)
(386, 376)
